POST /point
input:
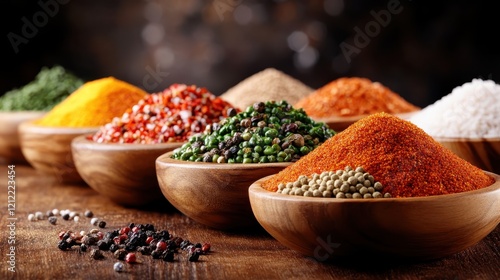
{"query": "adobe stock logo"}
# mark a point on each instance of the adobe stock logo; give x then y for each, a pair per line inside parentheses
(30, 28)
(363, 37)
(325, 249)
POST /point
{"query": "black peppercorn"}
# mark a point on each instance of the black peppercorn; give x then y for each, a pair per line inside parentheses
(194, 254)
(102, 224)
(96, 254)
(113, 247)
(103, 245)
(88, 214)
(156, 254)
(184, 244)
(52, 220)
(145, 250)
(65, 216)
(120, 254)
(168, 256)
(83, 248)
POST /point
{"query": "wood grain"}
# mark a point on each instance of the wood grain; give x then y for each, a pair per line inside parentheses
(416, 228)
(125, 173)
(48, 149)
(10, 147)
(212, 194)
(243, 255)
(483, 153)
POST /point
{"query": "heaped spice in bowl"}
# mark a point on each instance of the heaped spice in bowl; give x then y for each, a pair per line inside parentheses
(265, 132)
(94, 104)
(50, 87)
(471, 110)
(173, 115)
(268, 84)
(407, 161)
(347, 97)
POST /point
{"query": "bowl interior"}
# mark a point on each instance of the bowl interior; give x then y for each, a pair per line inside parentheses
(213, 194)
(125, 173)
(416, 228)
(10, 147)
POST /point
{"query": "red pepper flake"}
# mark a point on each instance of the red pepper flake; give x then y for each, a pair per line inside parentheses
(173, 115)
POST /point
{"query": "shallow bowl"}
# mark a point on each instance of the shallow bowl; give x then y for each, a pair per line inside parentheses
(10, 147)
(213, 194)
(481, 152)
(411, 228)
(125, 173)
(48, 149)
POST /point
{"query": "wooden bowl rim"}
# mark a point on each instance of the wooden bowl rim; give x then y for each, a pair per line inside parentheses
(466, 139)
(32, 127)
(14, 114)
(165, 160)
(257, 190)
(353, 119)
(81, 142)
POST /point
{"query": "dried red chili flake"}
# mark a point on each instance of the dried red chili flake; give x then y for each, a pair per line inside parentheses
(173, 115)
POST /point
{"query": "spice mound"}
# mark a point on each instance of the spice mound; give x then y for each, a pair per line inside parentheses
(268, 84)
(265, 132)
(173, 115)
(470, 110)
(50, 87)
(94, 104)
(354, 96)
(346, 183)
(407, 161)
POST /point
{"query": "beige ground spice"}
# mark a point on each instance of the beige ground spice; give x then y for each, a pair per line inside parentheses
(268, 84)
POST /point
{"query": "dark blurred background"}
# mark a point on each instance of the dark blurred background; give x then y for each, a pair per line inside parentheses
(421, 50)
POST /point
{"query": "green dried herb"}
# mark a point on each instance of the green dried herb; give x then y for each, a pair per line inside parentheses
(50, 87)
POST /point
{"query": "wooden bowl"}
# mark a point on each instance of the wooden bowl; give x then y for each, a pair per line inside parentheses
(481, 152)
(48, 149)
(10, 147)
(213, 194)
(338, 123)
(413, 228)
(125, 173)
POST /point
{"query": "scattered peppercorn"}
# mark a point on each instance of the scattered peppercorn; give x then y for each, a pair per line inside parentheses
(102, 224)
(52, 220)
(88, 214)
(130, 258)
(265, 132)
(118, 267)
(120, 254)
(96, 254)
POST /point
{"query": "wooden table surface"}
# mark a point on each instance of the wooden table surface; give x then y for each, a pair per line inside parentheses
(249, 255)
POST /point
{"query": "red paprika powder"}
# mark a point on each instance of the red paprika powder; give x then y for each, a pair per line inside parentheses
(173, 115)
(353, 97)
(407, 161)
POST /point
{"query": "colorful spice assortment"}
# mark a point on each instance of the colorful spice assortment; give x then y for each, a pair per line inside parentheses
(124, 243)
(470, 110)
(173, 115)
(265, 132)
(346, 183)
(95, 103)
(50, 87)
(353, 97)
(406, 160)
(268, 84)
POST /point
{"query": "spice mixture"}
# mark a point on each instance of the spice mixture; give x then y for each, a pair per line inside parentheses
(95, 103)
(407, 161)
(268, 84)
(470, 110)
(265, 132)
(50, 87)
(343, 183)
(353, 97)
(173, 115)
(126, 242)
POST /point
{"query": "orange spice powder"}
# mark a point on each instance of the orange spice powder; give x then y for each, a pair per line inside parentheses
(353, 97)
(407, 161)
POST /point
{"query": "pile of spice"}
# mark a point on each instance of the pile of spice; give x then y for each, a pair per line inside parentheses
(346, 183)
(124, 243)
(268, 84)
(173, 115)
(265, 132)
(94, 104)
(50, 87)
(354, 96)
(470, 110)
(407, 161)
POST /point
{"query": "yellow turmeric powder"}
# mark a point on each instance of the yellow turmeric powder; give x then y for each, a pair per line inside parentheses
(94, 104)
